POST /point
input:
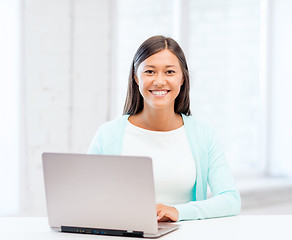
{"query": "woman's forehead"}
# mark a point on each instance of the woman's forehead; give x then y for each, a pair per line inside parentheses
(164, 58)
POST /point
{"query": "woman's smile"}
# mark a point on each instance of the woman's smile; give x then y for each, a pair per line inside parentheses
(159, 93)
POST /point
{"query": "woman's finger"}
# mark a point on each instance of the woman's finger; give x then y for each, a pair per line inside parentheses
(160, 214)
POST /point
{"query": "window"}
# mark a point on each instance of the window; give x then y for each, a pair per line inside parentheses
(224, 57)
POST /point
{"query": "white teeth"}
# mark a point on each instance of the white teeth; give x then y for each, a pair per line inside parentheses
(159, 93)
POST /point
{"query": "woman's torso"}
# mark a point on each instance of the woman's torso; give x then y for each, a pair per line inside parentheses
(173, 164)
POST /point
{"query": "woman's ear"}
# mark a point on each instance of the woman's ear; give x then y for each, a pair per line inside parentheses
(182, 81)
(136, 79)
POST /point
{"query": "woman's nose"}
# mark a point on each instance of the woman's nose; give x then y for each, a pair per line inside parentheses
(159, 80)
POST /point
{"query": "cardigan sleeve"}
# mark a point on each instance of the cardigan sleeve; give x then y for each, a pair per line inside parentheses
(226, 199)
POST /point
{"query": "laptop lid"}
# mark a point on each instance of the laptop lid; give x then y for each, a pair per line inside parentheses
(100, 192)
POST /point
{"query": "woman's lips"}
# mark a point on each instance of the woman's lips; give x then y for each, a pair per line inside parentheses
(159, 93)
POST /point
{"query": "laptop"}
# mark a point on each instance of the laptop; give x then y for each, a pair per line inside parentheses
(102, 194)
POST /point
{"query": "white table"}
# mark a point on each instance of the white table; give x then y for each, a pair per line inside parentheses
(264, 227)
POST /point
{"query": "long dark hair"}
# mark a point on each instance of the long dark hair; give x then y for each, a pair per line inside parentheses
(134, 100)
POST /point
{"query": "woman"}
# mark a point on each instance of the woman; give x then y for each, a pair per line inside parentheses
(157, 122)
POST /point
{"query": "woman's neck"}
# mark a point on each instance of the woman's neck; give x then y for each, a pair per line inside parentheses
(157, 120)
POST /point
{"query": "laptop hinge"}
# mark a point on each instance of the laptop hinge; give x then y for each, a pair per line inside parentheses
(99, 231)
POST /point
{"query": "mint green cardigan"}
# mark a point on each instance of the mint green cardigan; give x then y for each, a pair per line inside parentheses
(211, 168)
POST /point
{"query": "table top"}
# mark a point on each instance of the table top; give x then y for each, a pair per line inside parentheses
(239, 227)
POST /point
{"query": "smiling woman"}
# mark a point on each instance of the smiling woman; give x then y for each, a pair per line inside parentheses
(159, 78)
(160, 59)
(157, 122)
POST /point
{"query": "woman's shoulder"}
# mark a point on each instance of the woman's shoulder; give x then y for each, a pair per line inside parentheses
(114, 125)
(108, 133)
(200, 131)
(110, 130)
(196, 123)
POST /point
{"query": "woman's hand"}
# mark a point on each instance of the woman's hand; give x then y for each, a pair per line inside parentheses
(166, 213)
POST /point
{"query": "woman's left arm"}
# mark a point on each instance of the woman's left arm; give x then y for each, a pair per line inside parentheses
(226, 199)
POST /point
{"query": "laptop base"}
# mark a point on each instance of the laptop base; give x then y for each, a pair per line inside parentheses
(99, 231)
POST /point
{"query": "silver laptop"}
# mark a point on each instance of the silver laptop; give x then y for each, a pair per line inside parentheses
(101, 194)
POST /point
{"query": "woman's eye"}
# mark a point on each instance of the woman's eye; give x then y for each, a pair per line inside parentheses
(149, 71)
(170, 72)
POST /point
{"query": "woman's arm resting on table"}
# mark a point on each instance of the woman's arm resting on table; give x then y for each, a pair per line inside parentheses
(226, 199)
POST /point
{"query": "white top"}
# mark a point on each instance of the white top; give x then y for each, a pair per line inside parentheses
(174, 167)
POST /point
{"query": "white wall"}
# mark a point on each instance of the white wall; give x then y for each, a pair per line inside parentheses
(9, 105)
(280, 78)
(66, 55)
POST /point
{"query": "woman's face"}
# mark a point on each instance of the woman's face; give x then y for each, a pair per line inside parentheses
(159, 78)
